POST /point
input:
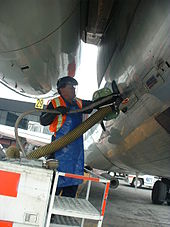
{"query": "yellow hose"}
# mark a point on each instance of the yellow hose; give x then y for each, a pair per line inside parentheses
(71, 136)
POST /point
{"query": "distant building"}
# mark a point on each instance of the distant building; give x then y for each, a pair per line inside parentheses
(10, 110)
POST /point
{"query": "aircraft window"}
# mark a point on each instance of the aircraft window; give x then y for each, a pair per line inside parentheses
(11, 119)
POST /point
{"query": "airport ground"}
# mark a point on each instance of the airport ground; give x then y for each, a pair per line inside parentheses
(128, 207)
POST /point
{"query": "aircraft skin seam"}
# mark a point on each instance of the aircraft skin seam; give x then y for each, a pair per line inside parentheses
(109, 160)
(51, 33)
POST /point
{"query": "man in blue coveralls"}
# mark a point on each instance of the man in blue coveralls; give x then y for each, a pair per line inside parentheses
(71, 157)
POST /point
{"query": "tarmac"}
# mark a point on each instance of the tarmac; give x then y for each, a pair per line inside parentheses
(128, 207)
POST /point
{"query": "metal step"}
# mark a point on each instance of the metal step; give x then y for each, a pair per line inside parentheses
(74, 207)
(64, 221)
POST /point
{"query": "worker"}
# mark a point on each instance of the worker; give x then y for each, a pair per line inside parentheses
(71, 157)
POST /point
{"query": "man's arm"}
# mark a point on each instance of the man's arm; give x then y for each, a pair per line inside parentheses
(47, 118)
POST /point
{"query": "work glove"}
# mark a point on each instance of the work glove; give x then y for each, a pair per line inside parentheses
(62, 109)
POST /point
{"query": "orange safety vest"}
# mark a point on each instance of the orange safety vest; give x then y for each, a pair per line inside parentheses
(60, 119)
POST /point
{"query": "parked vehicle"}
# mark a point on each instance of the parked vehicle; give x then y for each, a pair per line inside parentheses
(142, 180)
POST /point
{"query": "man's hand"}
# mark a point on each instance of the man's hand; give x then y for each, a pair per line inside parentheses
(62, 109)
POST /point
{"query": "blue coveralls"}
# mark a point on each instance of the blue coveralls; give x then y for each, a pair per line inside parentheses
(71, 157)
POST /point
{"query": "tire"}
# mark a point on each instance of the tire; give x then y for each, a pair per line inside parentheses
(159, 192)
(139, 182)
(114, 183)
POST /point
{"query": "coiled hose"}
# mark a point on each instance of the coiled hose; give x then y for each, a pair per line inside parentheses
(71, 136)
(113, 101)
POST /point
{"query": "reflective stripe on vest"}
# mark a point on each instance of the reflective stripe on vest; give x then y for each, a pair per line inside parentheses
(79, 103)
(60, 119)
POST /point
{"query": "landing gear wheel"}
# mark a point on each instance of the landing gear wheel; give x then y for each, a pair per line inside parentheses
(159, 192)
(139, 182)
(114, 183)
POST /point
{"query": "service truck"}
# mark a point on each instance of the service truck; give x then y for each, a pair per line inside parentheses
(142, 180)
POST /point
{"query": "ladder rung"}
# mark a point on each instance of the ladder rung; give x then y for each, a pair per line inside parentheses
(74, 207)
